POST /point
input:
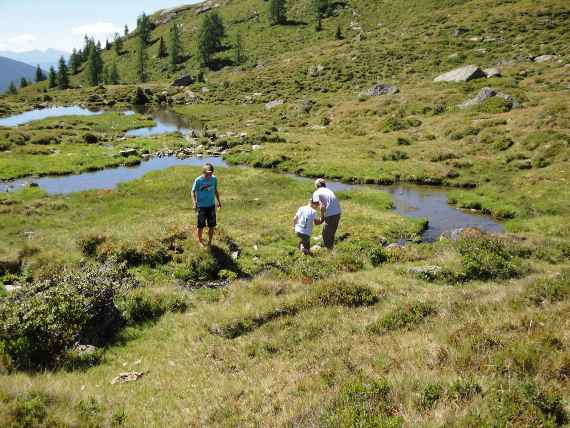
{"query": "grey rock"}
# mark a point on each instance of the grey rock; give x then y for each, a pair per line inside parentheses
(382, 89)
(492, 72)
(461, 74)
(460, 31)
(394, 246)
(127, 377)
(84, 350)
(486, 93)
(545, 58)
(185, 80)
(275, 103)
(315, 70)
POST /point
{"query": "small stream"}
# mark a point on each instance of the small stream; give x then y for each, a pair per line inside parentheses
(409, 200)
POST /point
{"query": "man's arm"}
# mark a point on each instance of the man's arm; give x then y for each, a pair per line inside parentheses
(319, 221)
(218, 198)
(323, 212)
(193, 199)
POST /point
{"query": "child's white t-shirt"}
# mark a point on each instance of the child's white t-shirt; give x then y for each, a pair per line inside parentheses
(305, 220)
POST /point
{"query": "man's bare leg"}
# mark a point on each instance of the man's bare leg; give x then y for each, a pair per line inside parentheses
(200, 239)
(210, 235)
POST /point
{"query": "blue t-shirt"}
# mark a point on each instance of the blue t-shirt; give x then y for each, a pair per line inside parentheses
(205, 191)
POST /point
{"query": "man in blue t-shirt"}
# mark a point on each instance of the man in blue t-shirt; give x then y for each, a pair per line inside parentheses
(204, 196)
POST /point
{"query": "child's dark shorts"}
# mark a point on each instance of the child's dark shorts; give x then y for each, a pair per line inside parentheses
(206, 216)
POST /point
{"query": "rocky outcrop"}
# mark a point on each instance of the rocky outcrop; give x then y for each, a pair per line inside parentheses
(461, 74)
(382, 89)
(545, 58)
(486, 93)
(461, 233)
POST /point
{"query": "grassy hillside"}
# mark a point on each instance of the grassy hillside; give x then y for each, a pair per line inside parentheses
(463, 332)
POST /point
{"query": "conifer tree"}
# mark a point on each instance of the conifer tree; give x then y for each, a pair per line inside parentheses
(40, 76)
(23, 82)
(210, 38)
(75, 62)
(162, 52)
(94, 67)
(62, 74)
(174, 46)
(114, 78)
(12, 89)
(107, 45)
(126, 30)
(52, 78)
(141, 60)
(239, 56)
(338, 34)
(118, 44)
(277, 12)
(144, 28)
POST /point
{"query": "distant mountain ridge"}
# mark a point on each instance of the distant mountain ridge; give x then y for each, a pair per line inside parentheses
(45, 59)
(13, 71)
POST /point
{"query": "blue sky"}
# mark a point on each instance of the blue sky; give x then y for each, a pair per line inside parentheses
(60, 24)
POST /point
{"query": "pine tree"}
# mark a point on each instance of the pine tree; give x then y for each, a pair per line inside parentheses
(114, 78)
(277, 12)
(107, 45)
(62, 74)
(23, 82)
(52, 78)
(210, 38)
(141, 60)
(12, 89)
(174, 46)
(118, 44)
(126, 30)
(75, 62)
(144, 28)
(239, 50)
(162, 53)
(338, 34)
(93, 64)
(40, 76)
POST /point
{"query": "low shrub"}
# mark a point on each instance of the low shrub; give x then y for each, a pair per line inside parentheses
(443, 156)
(431, 394)
(363, 403)
(495, 105)
(342, 294)
(394, 123)
(42, 320)
(88, 244)
(487, 258)
(549, 290)
(404, 317)
(139, 306)
(395, 155)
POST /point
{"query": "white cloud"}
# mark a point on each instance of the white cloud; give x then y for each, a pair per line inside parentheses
(97, 29)
(22, 39)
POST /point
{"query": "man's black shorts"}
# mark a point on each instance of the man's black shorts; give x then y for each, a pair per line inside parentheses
(206, 216)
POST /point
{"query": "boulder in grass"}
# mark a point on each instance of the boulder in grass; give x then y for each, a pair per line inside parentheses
(462, 74)
(382, 89)
(275, 103)
(492, 72)
(486, 93)
(544, 58)
(182, 81)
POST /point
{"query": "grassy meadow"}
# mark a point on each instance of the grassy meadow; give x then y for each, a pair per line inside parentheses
(463, 332)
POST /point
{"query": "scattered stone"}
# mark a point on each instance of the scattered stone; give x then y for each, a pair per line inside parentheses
(429, 273)
(182, 81)
(275, 103)
(460, 31)
(256, 147)
(235, 255)
(12, 288)
(306, 106)
(127, 377)
(204, 90)
(382, 89)
(394, 247)
(492, 72)
(94, 98)
(84, 350)
(475, 39)
(315, 70)
(461, 74)
(461, 233)
(486, 93)
(545, 58)
(33, 184)
(191, 98)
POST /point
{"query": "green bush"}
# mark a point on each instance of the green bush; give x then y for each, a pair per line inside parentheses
(549, 290)
(199, 267)
(363, 403)
(139, 306)
(403, 318)
(495, 105)
(41, 321)
(486, 259)
(342, 294)
(395, 155)
(431, 394)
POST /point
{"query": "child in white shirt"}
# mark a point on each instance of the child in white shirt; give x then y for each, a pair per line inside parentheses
(303, 223)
